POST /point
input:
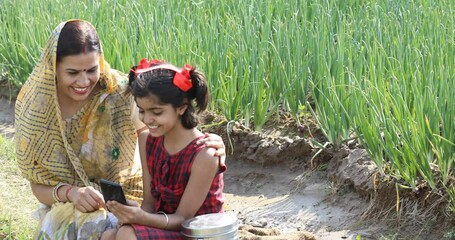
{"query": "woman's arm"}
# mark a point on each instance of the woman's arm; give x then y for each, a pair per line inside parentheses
(214, 141)
(43, 193)
(85, 199)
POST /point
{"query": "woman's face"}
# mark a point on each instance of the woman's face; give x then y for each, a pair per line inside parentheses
(77, 76)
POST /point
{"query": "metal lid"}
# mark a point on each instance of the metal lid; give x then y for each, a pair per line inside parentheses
(210, 225)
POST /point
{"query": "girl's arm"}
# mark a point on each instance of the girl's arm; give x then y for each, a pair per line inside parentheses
(148, 201)
(203, 171)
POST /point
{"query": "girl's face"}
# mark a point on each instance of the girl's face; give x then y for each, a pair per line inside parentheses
(160, 118)
(77, 76)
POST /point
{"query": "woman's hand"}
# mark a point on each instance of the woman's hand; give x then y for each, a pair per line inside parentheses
(125, 213)
(212, 140)
(86, 199)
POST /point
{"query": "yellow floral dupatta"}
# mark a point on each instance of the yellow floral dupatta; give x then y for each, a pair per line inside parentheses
(98, 142)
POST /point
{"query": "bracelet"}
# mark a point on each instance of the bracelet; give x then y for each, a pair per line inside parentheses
(66, 194)
(167, 218)
(55, 192)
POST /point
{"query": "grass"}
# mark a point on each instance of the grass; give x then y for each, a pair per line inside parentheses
(16, 199)
(243, 47)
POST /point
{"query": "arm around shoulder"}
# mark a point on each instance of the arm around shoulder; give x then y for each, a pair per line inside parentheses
(203, 171)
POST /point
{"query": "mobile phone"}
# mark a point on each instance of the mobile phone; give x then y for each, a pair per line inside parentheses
(112, 191)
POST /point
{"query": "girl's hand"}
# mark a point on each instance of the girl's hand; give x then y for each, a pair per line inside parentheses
(212, 140)
(86, 199)
(125, 213)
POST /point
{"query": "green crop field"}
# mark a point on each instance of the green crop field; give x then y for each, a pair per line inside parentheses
(380, 71)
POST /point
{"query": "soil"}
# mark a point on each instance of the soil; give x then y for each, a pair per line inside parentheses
(281, 185)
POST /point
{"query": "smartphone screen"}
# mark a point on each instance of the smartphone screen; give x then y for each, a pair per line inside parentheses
(112, 191)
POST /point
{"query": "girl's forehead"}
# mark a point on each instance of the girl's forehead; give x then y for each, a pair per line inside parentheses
(148, 101)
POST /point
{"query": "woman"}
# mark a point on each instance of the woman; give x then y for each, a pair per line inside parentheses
(74, 126)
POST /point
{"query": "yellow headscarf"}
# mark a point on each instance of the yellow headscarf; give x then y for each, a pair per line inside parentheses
(98, 142)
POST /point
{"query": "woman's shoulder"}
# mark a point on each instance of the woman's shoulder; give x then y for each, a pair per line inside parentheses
(120, 78)
(117, 86)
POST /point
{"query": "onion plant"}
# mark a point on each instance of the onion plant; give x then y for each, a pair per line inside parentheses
(381, 70)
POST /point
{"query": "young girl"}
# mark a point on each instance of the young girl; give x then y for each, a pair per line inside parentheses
(181, 179)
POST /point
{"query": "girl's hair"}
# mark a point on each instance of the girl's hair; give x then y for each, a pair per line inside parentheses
(77, 37)
(159, 82)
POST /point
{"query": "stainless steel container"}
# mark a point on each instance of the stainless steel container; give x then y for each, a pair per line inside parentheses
(213, 226)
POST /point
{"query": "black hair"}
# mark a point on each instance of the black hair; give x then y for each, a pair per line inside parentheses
(77, 37)
(159, 82)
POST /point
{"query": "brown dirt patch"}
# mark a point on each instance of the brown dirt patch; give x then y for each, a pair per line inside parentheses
(277, 179)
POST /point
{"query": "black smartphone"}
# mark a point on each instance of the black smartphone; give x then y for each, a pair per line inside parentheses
(112, 191)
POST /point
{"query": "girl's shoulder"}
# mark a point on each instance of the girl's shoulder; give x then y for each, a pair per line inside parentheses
(206, 156)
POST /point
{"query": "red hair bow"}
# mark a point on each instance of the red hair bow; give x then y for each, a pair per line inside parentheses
(145, 65)
(183, 79)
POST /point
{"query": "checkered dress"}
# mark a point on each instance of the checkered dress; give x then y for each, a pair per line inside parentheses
(170, 174)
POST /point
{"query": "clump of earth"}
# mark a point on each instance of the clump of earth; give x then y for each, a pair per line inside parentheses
(279, 179)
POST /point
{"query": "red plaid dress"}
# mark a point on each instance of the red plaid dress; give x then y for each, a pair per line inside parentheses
(170, 174)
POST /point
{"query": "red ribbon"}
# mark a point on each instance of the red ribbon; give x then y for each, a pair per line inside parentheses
(183, 79)
(145, 65)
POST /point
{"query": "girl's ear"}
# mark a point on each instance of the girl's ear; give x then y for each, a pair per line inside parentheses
(181, 110)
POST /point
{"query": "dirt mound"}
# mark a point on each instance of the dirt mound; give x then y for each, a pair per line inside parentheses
(277, 179)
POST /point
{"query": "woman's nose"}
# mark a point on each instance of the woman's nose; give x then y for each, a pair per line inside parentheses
(84, 78)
